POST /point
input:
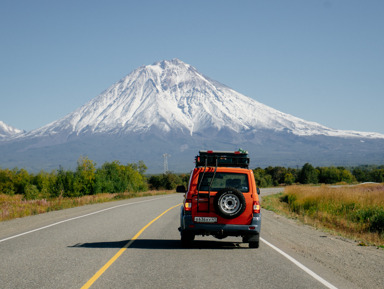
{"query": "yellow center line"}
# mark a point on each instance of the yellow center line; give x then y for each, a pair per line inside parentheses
(121, 251)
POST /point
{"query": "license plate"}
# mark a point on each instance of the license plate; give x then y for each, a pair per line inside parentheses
(205, 219)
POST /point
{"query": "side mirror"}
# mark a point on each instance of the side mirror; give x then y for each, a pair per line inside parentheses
(258, 190)
(180, 189)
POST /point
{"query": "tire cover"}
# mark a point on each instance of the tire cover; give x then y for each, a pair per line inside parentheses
(229, 203)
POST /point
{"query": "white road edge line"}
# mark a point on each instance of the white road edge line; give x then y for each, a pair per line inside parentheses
(79, 217)
(301, 266)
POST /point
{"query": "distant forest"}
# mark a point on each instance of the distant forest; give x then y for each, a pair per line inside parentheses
(275, 176)
(114, 177)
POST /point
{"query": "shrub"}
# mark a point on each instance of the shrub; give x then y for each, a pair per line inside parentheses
(31, 192)
(167, 181)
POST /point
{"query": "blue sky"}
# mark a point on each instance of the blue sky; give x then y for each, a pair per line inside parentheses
(320, 60)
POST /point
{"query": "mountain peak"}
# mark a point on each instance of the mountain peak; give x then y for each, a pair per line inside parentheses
(164, 66)
(170, 106)
(172, 96)
(8, 131)
(174, 61)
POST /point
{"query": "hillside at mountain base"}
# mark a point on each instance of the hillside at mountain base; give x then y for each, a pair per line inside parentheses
(277, 150)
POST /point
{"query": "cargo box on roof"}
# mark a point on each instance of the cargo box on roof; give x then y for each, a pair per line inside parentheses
(222, 159)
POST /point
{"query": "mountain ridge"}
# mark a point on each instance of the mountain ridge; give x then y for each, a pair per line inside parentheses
(170, 107)
(7, 131)
(174, 95)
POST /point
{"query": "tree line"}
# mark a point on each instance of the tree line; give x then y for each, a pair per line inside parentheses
(111, 177)
(114, 177)
(274, 176)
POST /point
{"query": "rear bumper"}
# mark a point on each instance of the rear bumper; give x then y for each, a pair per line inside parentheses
(187, 225)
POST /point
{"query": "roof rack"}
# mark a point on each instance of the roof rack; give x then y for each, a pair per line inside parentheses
(224, 159)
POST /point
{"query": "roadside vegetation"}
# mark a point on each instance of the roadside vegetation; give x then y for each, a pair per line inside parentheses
(275, 176)
(23, 193)
(353, 211)
(17, 206)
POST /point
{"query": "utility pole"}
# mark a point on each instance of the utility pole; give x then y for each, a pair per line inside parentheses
(165, 156)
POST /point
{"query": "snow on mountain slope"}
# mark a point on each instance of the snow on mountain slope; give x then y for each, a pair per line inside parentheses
(8, 131)
(169, 107)
(174, 96)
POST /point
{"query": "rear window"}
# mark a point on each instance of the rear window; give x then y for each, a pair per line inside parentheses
(223, 180)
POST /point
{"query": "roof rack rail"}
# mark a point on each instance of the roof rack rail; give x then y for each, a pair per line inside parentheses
(224, 159)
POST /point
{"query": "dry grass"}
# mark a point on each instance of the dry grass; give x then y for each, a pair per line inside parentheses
(353, 211)
(12, 207)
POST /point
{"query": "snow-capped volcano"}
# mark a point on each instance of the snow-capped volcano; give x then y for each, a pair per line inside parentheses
(170, 107)
(7, 131)
(172, 95)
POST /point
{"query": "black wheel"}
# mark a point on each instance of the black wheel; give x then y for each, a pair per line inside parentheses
(187, 238)
(229, 203)
(254, 244)
(253, 240)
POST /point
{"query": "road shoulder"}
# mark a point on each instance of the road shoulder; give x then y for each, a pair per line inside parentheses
(359, 266)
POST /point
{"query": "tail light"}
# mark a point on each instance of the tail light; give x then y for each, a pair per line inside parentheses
(188, 205)
(256, 207)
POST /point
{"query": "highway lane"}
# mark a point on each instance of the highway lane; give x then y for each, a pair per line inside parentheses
(49, 258)
(68, 255)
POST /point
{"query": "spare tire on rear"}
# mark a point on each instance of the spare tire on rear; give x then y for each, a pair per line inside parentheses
(229, 203)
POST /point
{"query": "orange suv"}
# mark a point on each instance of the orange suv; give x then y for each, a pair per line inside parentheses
(222, 199)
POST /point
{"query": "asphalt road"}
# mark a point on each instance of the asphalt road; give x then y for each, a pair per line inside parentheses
(66, 249)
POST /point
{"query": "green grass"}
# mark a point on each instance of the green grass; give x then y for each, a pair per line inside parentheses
(353, 211)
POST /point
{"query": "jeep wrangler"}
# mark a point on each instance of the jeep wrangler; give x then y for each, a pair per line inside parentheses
(222, 199)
